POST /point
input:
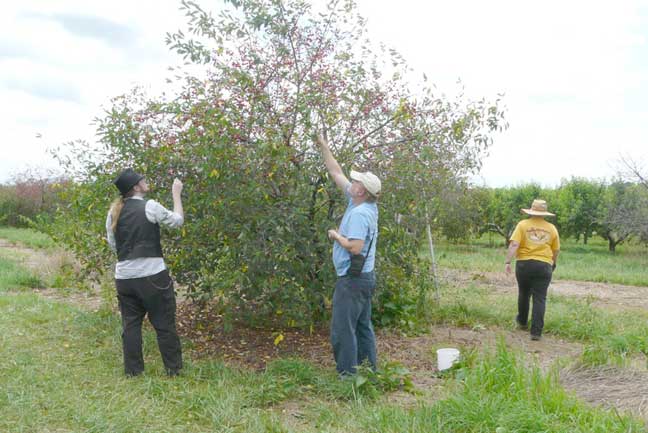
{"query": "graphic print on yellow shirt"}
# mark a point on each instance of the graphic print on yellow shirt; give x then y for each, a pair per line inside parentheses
(538, 235)
(538, 240)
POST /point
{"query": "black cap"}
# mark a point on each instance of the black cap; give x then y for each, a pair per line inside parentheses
(127, 180)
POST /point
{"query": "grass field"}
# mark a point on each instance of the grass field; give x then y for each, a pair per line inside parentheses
(611, 337)
(15, 277)
(28, 237)
(61, 372)
(591, 262)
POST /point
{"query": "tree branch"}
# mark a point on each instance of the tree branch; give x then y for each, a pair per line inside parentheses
(390, 143)
(373, 131)
(635, 170)
(497, 229)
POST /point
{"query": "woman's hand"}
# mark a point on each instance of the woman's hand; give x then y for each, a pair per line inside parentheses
(176, 188)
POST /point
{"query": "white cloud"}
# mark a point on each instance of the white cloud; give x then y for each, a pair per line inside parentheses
(57, 71)
(570, 72)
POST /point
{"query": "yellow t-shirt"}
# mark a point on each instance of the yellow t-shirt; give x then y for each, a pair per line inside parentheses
(538, 239)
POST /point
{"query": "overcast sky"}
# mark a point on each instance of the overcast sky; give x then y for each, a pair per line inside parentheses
(574, 73)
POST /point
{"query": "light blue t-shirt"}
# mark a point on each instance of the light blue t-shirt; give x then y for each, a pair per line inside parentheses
(359, 222)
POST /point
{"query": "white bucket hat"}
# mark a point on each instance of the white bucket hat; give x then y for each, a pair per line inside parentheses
(369, 180)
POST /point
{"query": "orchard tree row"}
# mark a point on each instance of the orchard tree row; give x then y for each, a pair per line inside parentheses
(29, 194)
(617, 211)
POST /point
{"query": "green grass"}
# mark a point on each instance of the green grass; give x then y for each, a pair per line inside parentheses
(62, 372)
(15, 277)
(28, 237)
(591, 262)
(499, 394)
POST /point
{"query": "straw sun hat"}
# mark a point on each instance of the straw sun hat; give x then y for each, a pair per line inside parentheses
(538, 208)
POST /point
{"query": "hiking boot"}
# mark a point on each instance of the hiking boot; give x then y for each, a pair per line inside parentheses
(173, 372)
(535, 337)
(521, 326)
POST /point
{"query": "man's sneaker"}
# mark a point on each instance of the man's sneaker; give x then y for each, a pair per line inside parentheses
(535, 337)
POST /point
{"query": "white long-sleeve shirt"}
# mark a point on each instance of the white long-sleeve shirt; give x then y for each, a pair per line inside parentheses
(143, 266)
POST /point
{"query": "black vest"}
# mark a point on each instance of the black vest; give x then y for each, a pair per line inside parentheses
(136, 236)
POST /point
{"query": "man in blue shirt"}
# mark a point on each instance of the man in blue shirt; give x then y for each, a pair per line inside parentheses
(352, 334)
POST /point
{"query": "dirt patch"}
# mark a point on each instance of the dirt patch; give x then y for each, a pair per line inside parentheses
(251, 347)
(88, 300)
(610, 387)
(613, 296)
(254, 348)
(545, 352)
(293, 414)
(418, 354)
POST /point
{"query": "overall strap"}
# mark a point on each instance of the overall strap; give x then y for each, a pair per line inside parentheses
(370, 244)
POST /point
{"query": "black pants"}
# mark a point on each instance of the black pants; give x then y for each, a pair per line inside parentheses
(533, 277)
(153, 295)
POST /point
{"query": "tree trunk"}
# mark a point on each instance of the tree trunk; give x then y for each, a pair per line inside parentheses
(437, 296)
(315, 274)
(497, 229)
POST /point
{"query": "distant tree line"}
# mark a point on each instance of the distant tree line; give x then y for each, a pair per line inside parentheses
(616, 211)
(28, 195)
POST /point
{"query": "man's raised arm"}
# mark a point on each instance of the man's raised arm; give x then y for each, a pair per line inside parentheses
(332, 165)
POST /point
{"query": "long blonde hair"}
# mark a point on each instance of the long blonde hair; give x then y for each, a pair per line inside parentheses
(116, 208)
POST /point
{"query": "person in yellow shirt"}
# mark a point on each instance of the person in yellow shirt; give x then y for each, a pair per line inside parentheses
(535, 243)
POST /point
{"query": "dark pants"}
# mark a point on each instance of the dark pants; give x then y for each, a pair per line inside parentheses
(153, 295)
(533, 277)
(352, 334)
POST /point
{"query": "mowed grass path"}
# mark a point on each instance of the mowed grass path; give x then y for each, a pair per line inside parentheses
(27, 237)
(62, 372)
(591, 262)
(610, 336)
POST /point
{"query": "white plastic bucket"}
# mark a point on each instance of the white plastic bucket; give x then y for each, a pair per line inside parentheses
(446, 357)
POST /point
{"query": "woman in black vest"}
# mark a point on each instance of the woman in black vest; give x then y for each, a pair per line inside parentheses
(142, 279)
